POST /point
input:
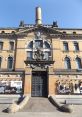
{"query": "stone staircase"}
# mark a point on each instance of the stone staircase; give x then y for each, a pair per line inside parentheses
(63, 98)
(7, 100)
(37, 104)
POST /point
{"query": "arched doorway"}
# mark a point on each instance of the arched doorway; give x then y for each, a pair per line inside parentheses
(39, 84)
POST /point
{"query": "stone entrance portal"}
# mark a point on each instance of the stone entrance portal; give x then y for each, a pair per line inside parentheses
(39, 84)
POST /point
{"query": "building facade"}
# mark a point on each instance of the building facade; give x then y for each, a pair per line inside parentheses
(40, 60)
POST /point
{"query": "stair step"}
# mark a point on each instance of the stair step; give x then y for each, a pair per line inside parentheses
(37, 104)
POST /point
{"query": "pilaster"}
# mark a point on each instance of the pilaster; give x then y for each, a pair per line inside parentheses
(27, 80)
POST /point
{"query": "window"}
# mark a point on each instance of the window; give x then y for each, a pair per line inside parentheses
(10, 63)
(78, 63)
(74, 32)
(47, 55)
(13, 32)
(65, 45)
(38, 43)
(46, 45)
(1, 45)
(64, 32)
(2, 31)
(30, 45)
(29, 55)
(76, 46)
(0, 62)
(11, 45)
(67, 63)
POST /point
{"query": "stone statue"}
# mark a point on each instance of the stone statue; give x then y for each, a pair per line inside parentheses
(39, 55)
(38, 35)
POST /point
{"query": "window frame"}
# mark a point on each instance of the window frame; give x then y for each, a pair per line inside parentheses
(33, 49)
(1, 45)
(8, 64)
(10, 46)
(76, 46)
(67, 63)
(65, 46)
(78, 63)
(0, 62)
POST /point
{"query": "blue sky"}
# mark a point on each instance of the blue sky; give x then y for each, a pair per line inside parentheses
(68, 13)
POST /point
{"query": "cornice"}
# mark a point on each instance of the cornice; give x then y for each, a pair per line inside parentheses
(68, 72)
(67, 36)
(51, 32)
(8, 35)
(71, 36)
(70, 29)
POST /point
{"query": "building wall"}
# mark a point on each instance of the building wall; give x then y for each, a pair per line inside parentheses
(58, 54)
(6, 52)
(57, 45)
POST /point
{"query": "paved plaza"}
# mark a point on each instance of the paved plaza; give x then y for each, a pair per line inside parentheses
(77, 112)
(41, 107)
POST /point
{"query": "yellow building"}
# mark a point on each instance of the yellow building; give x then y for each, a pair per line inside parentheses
(40, 60)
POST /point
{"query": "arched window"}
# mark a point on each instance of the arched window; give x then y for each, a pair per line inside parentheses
(74, 32)
(78, 63)
(30, 45)
(0, 62)
(46, 45)
(47, 55)
(67, 63)
(10, 63)
(11, 45)
(1, 45)
(65, 46)
(40, 44)
(64, 32)
(29, 55)
(76, 46)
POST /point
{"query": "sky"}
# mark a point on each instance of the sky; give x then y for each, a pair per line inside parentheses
(67, 13)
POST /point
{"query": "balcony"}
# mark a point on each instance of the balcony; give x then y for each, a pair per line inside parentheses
(39, 61)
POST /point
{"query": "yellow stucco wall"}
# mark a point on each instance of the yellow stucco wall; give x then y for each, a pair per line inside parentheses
(58, 55)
